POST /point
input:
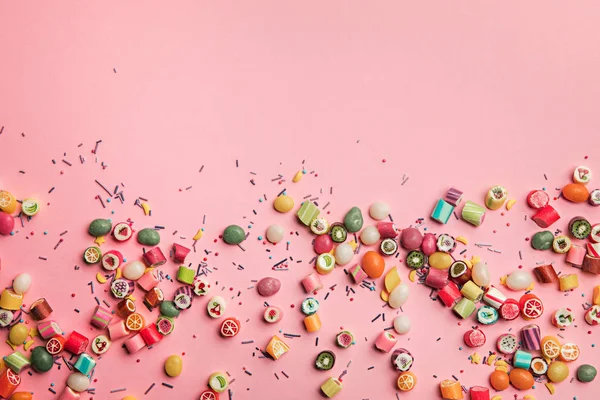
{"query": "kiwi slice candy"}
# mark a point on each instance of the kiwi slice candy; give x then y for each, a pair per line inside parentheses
(338, 233)
(325, 360)
(580, 227)
(415, 259)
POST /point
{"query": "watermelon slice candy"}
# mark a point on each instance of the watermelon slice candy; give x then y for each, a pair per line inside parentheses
(345, 339)
(165, 325)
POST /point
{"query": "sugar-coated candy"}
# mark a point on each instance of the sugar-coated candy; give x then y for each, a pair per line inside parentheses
(411, 238)
(343, 254)
(283, 203)
(480, 274)
(268, 286)
(275, 233)
(148, 237)
(234, 234)
(370, 235)
(173, 365)
(353, 220)
(22, 283)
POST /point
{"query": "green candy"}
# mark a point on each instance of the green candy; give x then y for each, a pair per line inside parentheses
(41, 360)
(100, 227)
(353, 221)
(586, 373)
(542, 240)
(168, 309)
(148, 237)
(234, 234)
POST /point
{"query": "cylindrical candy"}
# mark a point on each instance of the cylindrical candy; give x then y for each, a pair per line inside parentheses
(121, 288)
(460, 273)
(568, 282)
(494, 297)
(545, 216)
(134, 344)
(593, 249)
(471, 291)
(76, 343)
(442, 211)
(453, 196)
(451, 390)
(151, 335)
(546, 274)
(357, 274)
(48, 329)
(325, 263)
(201, 286)
(522, 359)
(580, 227)
(495, 197)
(101, 317)
(85, 363)
(310, 306)
(445, 243)
(186, 275)
(100, 344)
(592, 315)
(537, 199)
(40, 309)
(479, 393)
(594, 198)
(531, 306)
(507, 343)
(487, 315)
(16, 361)
(402, 360)
(9, 381)
(55, 344)
(331, 387)
(216, 306)
(154, 257)
(111, 260)
(154, 297)
(183, 298)
(561, 244)
(387, 230)
(474, 338)
(117, 330)
(179, 253)
(473, 213)
(596, 295)
(436, 278)
(563, 318)
(273, 314)
(531, 338)
(125, 307)
(6, 317)
(312, 322)
(539, 366)
(312, 283)
(591, 265)
(165, 325)
(464, 308)
(386, 341)
(576, 255)
(149, 280)
(509, 310)
(449, 294)
(10, 300)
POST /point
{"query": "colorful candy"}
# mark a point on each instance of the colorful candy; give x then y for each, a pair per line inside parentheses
(312, 322)
(331, 387)
(442, 211)
(474, 338)
(451, 390)
(568, 282)
(546, 274)
(386, 341)
(531, 337)
(496, 197)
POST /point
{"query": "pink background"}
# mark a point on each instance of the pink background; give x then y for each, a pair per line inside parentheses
(469, 94)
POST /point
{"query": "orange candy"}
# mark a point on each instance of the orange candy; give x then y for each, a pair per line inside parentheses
(135, 322)
(407, 381)
(521, 379)
(21, 396)
(575, 192)
(373, 264)
(312, 323)
(499, 380)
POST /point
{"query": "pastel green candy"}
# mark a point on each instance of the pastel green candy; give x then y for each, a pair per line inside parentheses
(473, 213)
(186, 275)
(353, 221)
(100, 227)
(464, 308)
(41, 360)
(586, 373)
(442, 211)
(16, 361)
(168, 309)
(542, 240)
(307, 212)
(148, 237)
(234, 234)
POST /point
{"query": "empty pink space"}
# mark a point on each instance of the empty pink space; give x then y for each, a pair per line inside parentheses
(208, 110)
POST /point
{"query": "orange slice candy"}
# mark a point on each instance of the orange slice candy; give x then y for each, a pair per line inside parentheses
(569, 352)
(550, 347)
(407, 381)
(134, 322)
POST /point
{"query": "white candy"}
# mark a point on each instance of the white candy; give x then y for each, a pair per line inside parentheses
(343, 254)
(134, 270)
(402, 324)
(379, 210)
(370, 235)
(399, 296)
(481, 274)
(22, 283)
(275, 233)
(78, 382)
(519, 280)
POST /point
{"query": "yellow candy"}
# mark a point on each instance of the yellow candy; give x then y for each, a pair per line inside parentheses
(28, 344)
(392, 279)
(497, 397)
(491, 359)
(18, 334)
(528, 397)
(462, 240)
(129, 398)
(530, 287)
(596, 296)
(119, 273)
(146, 208)
(502, 368)
(8, 202)
(100, 277)
(501, 363)
(173, 365)
(412, 275)
(100, 240)
(568, 282)
(550, 387)
(283, 203)
(385, 296)
(198, 235)
(503, 279)
(353, 244)
(439, 260)
(33, 332)
(475, 358)
(298, 176)
(510, 204)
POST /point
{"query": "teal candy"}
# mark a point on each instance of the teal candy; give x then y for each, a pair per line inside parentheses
(522, 359)
(353, 221)
(234, 234)
(442, 211)
(542, 240)
(41, 360)
(85, 364)
(168, 309)
(148, 237)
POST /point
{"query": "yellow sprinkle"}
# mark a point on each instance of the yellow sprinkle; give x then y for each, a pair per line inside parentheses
(353, 244)
(497, 398)
(100, 277)
(119, 273)
(298, 176)
(198, 235)
(99, 240)
(146, 208)
(28, 345)
(503, 279)
(528, 397)
(14, 347)
(491, 359)
(412, 275)
(475, 260)
(148, 269)
(550, 387)
(475, 358)
(385, 296)
(33, 332)
(510, 204)
(503, 369)
(462, 239)
(530, 286)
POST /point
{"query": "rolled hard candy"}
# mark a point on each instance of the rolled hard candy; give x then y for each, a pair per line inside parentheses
(542, 240)
(353, 221)
(268, 286)
(148, 237)
(100, 227)
(234, 234)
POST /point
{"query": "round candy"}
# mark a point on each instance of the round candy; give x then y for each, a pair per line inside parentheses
(399, 296)
(325, 360)
(406, 381)
(411, 238)
(344, 254)
(216, 306)
(586, 373)
(370, 235)
(41, 360)
(21, 396)
(582, 174)
(273, 314)
(323, 244)
(519, 280)
(575, 192)
(100, 344)
(373, 264)
(480, 274)
(100, 227)
(379, 210)
(7, 223)
(507, 343)
(429, 244)
(218, 382)
(122, 231)
(537, 199)
(268, 286)
(234, 234)
(310, 306)
(474, 338)
(18, 334)
(275, 233)
(402, 324)
(168, 309)
(499, 380)
(558, 371)
(134, 270)
(30, 207)
(542, 240)
(402, 360)
(440, 260)
(353, 221)
(22, 283)
(173, 365)
(325, 263)
(521, 379)
(148, 237)
(283, 203)
(78, 382)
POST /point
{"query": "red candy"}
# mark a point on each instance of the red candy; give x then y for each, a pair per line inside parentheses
(546, 216)
(180, 253)
(479, 393)
(154, 257)
(531, 306)
(538, 199)
(76, 343)
(323, 244)
(474, 338)
(510, 309)
(449, 294)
